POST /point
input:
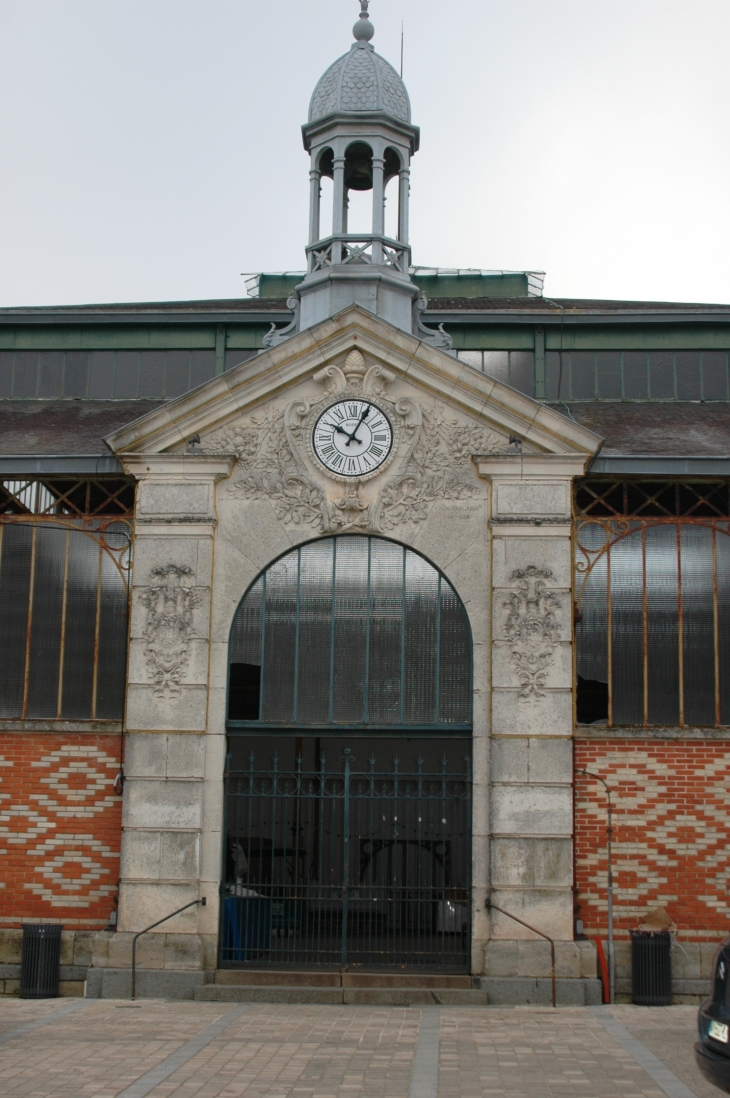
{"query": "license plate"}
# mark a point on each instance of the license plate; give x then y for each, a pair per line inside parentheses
(718, 1032)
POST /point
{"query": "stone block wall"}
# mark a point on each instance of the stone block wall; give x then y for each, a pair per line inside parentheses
(60, 828)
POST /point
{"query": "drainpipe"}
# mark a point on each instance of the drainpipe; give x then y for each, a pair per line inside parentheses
(609, 838)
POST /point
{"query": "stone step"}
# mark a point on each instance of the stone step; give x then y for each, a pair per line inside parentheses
(231, 977)
(335, 996)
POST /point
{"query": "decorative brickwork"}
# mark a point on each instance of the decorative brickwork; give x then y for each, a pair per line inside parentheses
(60, 828)
(671, 833)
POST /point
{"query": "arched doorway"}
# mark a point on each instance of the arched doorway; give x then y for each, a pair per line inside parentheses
(348, 791)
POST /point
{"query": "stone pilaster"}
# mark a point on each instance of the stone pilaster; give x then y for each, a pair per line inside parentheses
(532, 702)
(167, 700)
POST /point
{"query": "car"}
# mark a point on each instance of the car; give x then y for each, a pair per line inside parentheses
(712, 1051)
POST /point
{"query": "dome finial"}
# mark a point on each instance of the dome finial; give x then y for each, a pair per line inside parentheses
(363, 29)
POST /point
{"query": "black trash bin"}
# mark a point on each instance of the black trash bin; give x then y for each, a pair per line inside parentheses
(40, 962)
(651, 968)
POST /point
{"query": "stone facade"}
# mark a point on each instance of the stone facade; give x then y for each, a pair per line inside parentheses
(495, 521)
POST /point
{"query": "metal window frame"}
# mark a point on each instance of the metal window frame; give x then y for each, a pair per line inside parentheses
(631, 523)
(104, 530)
(364, 727)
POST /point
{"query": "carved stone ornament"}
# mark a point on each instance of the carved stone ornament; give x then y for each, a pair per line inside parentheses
(532, 628)
(275, 456)
(169, 629)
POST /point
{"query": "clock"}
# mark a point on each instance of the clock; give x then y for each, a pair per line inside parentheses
(352, 438)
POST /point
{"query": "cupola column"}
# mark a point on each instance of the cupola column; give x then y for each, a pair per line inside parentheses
(339, 210)
(378, 207)
(315, 193)
(405, 195)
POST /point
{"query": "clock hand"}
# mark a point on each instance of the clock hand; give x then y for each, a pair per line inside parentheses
(364, 416)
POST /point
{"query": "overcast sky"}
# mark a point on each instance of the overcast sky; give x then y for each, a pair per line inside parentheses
(151, 149)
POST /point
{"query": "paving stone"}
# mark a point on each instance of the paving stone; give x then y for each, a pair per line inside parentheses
(338, 1051)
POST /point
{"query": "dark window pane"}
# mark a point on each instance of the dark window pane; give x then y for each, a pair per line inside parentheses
(177, 373)
(583, 376)
(688, 376)
(698, 625)
(202, 366)
(235, 358)
(26, 374)
(553, 376)
(126, 379)
(494, 363)
(317, 605)
(714, 375)
(522, 371)
(246, 652)
(661, 375)
(662, 624)
(6, 373)
(81, 600)
(280, 640)
(101, 375)
(112, 633)
(635, 375)
(608, 368)
(152, 374)
(421, 641)
(351, 603)
(17, 548)
(455, 651)
(51, 380)
(315, 632)
(386, 625)
(591, 634)
(76, 374)
(627, 633)
(723, 606)
(45, 647)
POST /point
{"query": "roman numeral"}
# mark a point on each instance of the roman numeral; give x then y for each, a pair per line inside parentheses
(380, 438)
(377, 450)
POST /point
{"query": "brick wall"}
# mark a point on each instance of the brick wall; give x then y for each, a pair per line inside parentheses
(60, 828)
(671, 834)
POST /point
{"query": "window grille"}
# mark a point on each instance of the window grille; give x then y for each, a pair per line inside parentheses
(515, 368)
(64, 587)
(652, 563)
(636, 375)
(351, 632)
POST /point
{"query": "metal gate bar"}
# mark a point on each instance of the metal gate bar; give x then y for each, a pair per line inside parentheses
(347, 867)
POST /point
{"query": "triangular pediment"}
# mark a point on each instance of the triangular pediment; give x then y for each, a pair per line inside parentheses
(308, 368)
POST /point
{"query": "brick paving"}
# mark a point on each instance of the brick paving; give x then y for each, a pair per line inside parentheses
(274, 1051)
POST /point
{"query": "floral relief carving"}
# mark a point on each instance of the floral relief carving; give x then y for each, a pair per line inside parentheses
(170, 602)
(532, 628)
(438, 466)
(433, 453)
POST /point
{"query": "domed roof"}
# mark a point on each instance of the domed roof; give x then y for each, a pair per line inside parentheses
(362, 80)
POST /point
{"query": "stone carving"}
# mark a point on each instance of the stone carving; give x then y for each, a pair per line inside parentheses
(170, 603)
(270, 465)
(438, 466)
(433, 451)
(531, 628)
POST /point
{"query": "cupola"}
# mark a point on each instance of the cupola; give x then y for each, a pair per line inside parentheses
(360, 136)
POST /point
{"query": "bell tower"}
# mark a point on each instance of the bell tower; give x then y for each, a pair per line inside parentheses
(360, 136)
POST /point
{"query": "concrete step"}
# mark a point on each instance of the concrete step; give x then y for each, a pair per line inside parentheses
(363, 996)
(229, 977)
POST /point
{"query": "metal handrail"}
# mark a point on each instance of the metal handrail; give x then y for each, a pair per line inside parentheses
(193, 903)
(492, 906)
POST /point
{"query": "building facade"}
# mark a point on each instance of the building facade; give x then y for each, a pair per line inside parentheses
(341, 606)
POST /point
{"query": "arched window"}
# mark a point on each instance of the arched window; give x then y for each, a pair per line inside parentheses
(351, 632)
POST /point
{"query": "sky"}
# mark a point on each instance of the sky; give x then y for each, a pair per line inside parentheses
(151, 149)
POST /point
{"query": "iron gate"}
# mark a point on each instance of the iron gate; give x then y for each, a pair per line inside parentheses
(347, 865)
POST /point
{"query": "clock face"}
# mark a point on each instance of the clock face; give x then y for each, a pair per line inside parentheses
(353, 438)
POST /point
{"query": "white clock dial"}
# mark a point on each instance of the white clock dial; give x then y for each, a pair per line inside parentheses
(352, 438)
